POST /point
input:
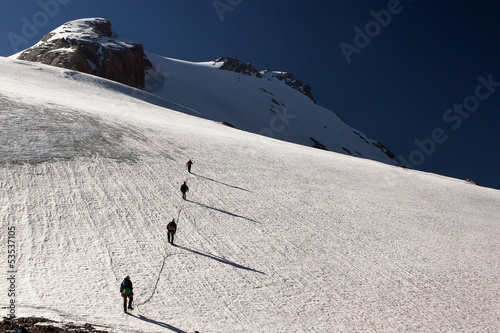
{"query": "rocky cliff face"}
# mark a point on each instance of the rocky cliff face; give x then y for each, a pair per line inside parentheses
(238, 66)
(90, 46)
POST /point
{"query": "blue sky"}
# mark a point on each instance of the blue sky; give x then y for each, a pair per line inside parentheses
(419, 76)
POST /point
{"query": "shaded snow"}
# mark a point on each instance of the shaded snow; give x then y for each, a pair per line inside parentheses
(266, 105)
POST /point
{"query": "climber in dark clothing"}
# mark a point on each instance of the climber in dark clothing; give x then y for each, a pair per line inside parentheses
(171, 228)
(184, 190)
(126, 290)
(188, 164)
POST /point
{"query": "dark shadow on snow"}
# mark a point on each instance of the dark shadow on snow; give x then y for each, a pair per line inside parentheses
(159, 323)
(239, 188)
(222, 211)
(220, 259)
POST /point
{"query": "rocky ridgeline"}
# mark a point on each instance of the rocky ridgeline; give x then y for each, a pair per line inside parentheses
(238, 66)
(87, 46)
(290, 80)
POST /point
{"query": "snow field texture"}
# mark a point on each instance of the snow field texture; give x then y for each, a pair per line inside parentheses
(274, 237)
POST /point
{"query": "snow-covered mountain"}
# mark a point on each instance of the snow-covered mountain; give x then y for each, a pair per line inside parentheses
(89, 46)
(274, 236)
(270, 103)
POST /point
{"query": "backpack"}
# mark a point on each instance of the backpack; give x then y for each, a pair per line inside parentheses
(127, 287)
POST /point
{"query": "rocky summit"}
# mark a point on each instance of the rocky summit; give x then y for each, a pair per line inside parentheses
(90, 46)
(238, 66)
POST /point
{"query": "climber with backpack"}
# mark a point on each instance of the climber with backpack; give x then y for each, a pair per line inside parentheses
(126, 290)
(184, 189)
(171, 229)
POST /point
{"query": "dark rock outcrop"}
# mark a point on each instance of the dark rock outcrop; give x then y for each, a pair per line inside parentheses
(290, 80)
(318, 144)
(87, 46)
(471, 181)
(238, 66)
(32, 325)
(384, 149)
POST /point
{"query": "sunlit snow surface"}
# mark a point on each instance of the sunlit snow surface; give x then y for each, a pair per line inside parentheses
(274, 237)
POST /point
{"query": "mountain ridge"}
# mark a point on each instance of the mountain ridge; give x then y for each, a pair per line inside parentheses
(262, 107)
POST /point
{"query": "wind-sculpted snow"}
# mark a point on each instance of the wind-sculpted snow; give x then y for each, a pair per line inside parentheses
(41, 133)
(274, 237)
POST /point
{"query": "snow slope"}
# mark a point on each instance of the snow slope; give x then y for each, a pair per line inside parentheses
(271, 103)
(275, 237)
(263, 105)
